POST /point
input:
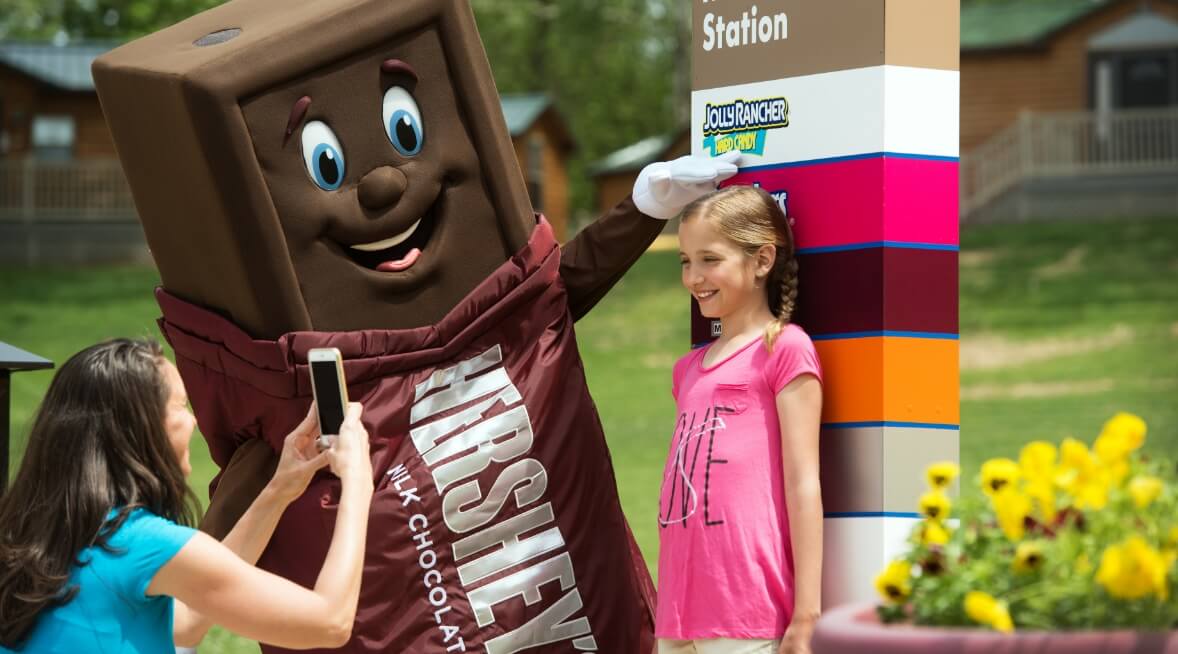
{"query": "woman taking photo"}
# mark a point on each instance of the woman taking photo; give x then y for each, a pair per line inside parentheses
(97, 552)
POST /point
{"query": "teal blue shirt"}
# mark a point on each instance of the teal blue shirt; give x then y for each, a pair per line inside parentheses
(111, 614)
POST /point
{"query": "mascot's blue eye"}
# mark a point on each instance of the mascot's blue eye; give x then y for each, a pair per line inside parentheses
(402, 121)
(327, 167)
(405, 133)
(323, 156)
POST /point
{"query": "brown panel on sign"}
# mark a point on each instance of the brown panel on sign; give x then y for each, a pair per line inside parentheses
(703, 330)
(878, 289)
(920, 288)
(784, 38)
(923, 34)
(841, 292)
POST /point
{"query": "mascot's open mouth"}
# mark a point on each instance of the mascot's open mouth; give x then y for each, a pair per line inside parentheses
(397, 253)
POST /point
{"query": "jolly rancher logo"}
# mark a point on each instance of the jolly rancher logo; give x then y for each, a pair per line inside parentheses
(742, 124)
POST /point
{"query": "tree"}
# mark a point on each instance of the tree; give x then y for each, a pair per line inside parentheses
(616, 68)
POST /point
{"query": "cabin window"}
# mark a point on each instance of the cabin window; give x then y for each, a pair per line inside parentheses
(1146, 81)
(1134, 80)
(53, 137)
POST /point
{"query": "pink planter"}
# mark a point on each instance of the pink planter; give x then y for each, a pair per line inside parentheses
(855, 629)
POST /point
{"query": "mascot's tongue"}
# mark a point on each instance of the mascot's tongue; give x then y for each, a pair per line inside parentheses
(400, 264)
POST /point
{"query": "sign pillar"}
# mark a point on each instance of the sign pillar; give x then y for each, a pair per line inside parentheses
(847, 112)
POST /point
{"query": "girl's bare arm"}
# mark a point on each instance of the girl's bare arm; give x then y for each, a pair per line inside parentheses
(799, 411)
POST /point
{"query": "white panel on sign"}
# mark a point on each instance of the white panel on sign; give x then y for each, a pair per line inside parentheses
(922, 111)
(855, 551)
(840, 114)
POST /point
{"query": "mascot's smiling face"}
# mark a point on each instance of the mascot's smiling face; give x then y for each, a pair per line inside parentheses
(377, 186)
(326, 166)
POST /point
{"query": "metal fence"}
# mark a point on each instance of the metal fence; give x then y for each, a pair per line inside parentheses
(67, 213)
(1069, 144)
(66, 191)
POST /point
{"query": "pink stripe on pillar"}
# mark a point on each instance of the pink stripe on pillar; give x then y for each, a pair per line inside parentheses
(921, 200)
(868, 200)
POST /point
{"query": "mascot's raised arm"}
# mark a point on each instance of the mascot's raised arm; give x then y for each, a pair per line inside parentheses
(339, 174)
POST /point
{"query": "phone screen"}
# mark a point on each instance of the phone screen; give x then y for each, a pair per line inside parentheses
(327, 396)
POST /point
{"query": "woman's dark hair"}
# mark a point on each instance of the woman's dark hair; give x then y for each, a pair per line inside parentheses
(98, 443)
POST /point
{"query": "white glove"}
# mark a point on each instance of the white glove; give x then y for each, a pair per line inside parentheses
(663, 188)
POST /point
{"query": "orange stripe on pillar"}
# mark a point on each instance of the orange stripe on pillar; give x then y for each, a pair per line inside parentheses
(892, 379)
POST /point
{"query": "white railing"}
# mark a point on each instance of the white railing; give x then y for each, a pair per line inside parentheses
(1067, 144)
(81, 190)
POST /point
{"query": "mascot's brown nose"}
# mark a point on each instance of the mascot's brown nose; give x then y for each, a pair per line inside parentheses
(382, 187)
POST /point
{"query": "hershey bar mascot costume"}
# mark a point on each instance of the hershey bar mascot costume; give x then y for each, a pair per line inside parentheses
(339, 174)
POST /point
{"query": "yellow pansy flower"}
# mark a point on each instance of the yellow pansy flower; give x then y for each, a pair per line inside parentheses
(1081, 476)
(1122, 434)
(1028, 556)
(1145, 489)
(1111, 448)
(1133, 569)
(1090, 490)
(894, 583)
(940, 475)
(1116, 472)
(1074, 454)
(933, 533)
(998, 474)
(935, 505)
(984, 609)
(1042, 491)
(934, 563)
(1011, 508)
(1127, 428)
(1037, 460)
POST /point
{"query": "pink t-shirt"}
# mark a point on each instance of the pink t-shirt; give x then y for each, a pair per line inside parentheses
(725, 561)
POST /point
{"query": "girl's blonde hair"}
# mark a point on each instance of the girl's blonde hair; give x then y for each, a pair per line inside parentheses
(752, 219)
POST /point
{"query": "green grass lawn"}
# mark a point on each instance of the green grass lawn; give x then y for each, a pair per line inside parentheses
(1062, 325)
(56, 312)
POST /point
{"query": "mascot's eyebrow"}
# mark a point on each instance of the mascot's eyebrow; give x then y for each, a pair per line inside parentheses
(398, 66)
(297, 113)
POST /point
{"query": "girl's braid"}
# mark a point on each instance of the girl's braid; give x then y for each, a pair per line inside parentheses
(788, 301)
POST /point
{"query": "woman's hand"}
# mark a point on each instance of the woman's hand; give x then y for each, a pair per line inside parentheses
(348, 453)
(300, 459)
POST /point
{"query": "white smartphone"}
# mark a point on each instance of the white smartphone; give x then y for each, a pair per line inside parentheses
(330, 390)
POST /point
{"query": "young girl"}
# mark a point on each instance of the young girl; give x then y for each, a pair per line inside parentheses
(740, 517)
(93, 538)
